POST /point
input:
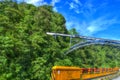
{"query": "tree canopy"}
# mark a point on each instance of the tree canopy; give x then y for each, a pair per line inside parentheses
(28, 53)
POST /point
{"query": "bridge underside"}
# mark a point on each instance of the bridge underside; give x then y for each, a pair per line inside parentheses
(93, 42)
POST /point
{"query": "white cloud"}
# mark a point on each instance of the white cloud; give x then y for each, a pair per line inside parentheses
(36, 2)
(33, 1)
(74, 7)
(77, 11)
(54, 2)
(99, 24)
(86, 8)
(55, 9)
(92, 27)
(78, 2)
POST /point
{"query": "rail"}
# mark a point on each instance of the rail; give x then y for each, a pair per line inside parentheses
(76, 73)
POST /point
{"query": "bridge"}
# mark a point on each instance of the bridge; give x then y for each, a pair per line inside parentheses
(75, 73)
(88, 41)
(93, 42)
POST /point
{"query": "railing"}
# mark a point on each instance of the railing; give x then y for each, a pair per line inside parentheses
(76, 73)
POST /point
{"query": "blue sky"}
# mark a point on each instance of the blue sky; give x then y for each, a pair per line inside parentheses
(95, 18)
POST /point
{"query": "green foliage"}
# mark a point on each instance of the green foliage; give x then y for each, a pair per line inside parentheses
(73, 31)
(96, 56)
(28, 53)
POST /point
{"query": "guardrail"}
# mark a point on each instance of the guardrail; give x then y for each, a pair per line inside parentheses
(76, 73)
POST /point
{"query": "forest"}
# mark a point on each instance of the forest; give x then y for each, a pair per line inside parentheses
(28, 53)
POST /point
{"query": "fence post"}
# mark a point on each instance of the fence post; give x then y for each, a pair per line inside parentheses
(81, 76)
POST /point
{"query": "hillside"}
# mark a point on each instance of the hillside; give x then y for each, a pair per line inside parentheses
(28, 53)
